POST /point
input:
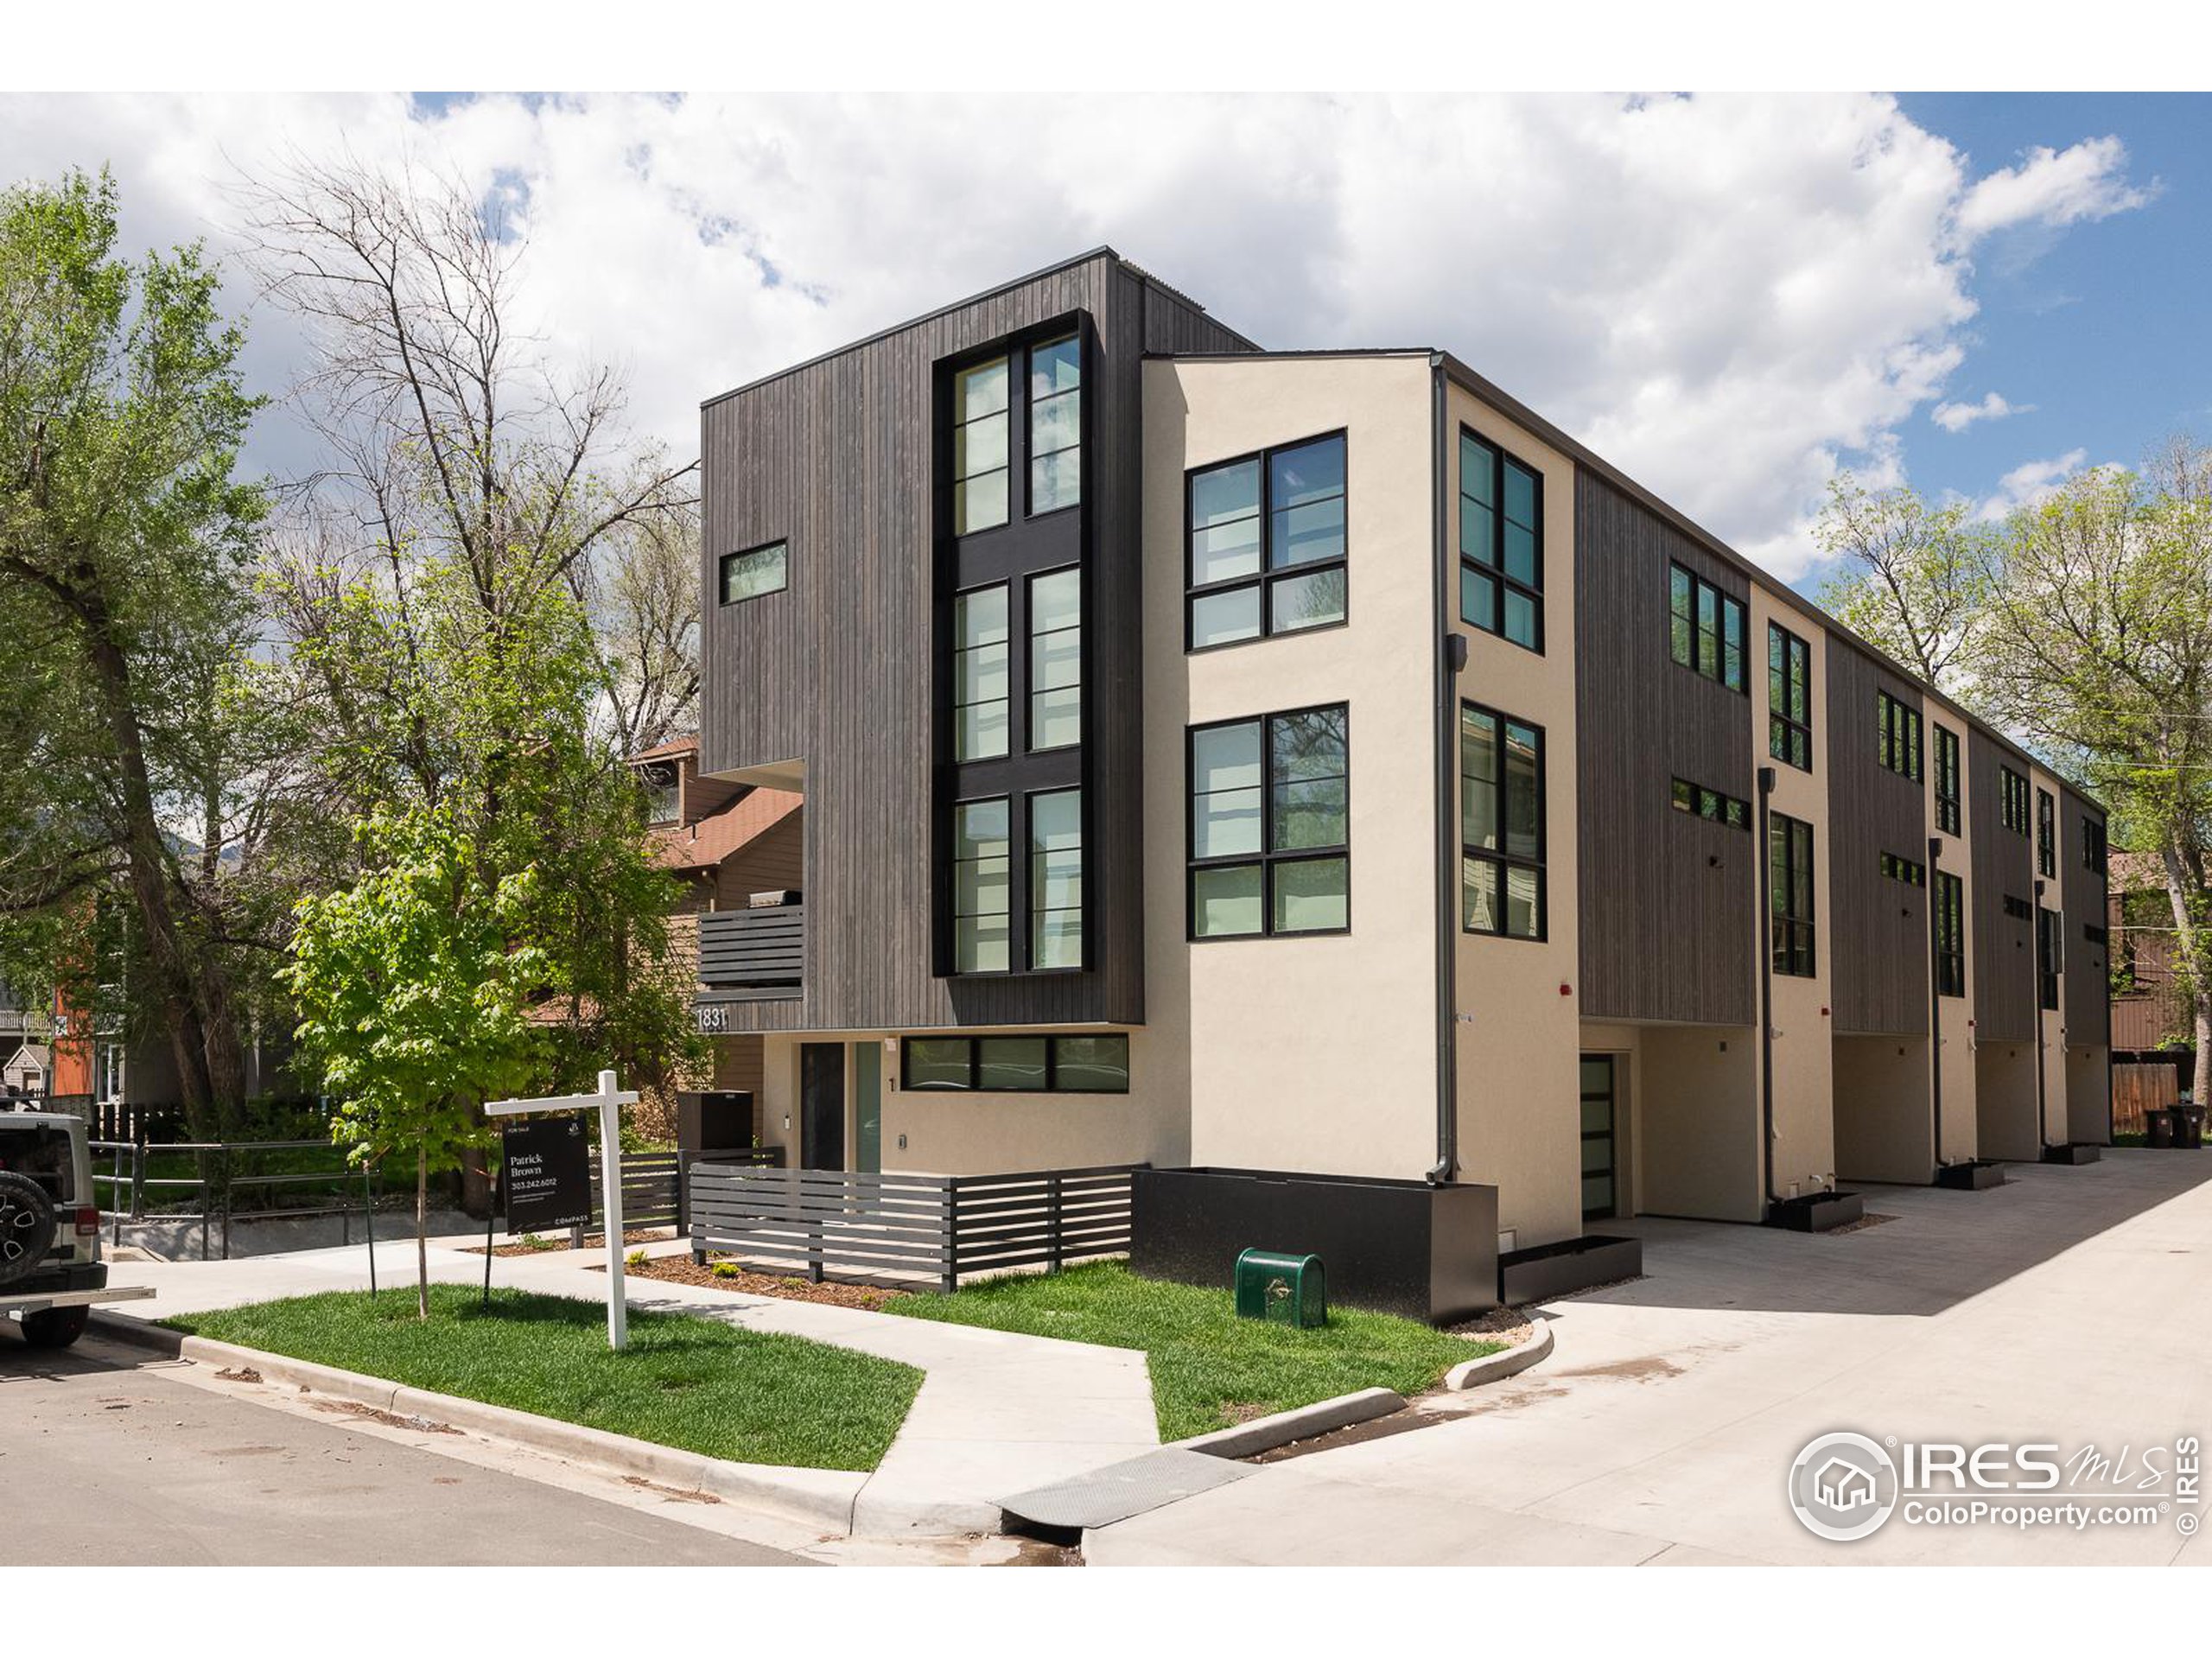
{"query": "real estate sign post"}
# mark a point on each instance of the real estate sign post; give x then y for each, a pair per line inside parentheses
(552, 1193)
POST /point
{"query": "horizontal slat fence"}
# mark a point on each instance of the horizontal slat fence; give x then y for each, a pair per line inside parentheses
(907, 1231)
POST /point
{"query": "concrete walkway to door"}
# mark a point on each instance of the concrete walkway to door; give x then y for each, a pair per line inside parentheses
(2068, 1306)
(997, 1412)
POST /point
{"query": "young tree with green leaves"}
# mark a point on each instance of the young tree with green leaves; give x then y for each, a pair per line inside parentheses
(125, 548)
(1915, 576)
(413, 995)
(2098, 650)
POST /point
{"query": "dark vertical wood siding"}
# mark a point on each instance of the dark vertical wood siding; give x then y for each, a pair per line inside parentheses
(1669, 902)
(2003, 863)
(838, 671)
(1877, 927)
(2087, 990)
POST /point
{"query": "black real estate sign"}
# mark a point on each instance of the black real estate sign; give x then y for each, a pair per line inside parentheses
(546, 1174)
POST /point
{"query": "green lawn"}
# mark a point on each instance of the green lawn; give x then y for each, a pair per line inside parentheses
(695, 1384)
(1208, 1368)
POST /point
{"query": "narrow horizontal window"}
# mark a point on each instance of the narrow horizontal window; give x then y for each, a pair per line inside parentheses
(1698, 801)
(1047, 1063)
(755, 572)
(1904, 869)
(2018, 909)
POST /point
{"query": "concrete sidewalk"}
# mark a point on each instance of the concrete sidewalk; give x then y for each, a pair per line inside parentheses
(997, 1412)
(2066, 1307)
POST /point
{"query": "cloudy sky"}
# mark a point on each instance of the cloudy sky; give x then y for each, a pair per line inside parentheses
(1731, 296)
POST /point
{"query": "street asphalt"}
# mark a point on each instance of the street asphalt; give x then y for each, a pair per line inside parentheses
(108, 1456)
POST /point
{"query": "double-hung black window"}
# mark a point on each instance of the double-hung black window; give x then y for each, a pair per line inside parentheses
(979, 446)
(1948, 816)
(1500, 824)
(2092, 844)
(1056, 878)
(1950, 935)
(981, 890)
(1897, 727)
(1706, 627)
(1055, 659)
(1265, 543)
(2046, 834)
(1501, 544)
(2013, 798)
(1789, 859)
(1270, 811)
(2050, 950)
(1789, 697)
(985, 936)
(980, 674)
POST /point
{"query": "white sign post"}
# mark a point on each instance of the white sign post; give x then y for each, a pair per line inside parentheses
(610, 1101)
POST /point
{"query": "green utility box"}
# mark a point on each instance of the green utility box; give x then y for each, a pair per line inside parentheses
(1287, 1289)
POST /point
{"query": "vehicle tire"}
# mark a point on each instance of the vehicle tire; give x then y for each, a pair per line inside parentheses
(54, 1327)
(27, 1226)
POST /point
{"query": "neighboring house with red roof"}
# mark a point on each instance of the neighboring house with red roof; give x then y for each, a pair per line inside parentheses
(726, 842)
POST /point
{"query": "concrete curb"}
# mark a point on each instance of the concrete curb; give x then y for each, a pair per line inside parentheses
(1492, 1367)
(1300, 1423)
(819, 1496)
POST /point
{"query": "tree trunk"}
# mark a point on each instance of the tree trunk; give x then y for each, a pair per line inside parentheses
(2202, 1093)
(422, 1232)
(2182, 895)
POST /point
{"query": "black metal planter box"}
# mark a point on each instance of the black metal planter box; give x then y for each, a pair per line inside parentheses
(2078, 1151)
(1397, 1247)
(1544, 1271)
(1975, 1175)
(1816, 1212)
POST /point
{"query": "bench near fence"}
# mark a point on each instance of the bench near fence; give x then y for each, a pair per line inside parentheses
(906, 1231)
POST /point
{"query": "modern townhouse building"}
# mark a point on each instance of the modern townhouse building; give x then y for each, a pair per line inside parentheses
(1318, 762)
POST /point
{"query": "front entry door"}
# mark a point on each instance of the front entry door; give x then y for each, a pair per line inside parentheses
(1600, 1172)
(822, 1105)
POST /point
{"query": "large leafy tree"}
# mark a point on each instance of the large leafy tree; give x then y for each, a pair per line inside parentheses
(1913, 576)
(125, 543)
(2098, 649)
(412, 996)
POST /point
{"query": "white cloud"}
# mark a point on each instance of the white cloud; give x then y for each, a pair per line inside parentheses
(1731, 296)
(2028, 483)
(2053, 188)
(1956, 417)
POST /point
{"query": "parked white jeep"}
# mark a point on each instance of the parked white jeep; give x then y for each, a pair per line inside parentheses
(50, 1268)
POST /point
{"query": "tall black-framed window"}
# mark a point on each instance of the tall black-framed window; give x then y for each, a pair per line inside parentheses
(1500, 824)
(1706, 627)
(2046, 834)
(1790, 856)
(1949, 817)
(1950, 935)
(979, 452)
(1054, 1063)
(981, 673)
(1789, 697)
(2093, 855)
(755, 572)
(982, 890)
(1055, 879)
(2013, 798)
(2050, 953)
(1264, 543)
(1055, 660)
(1055, 425)
(1501, 544)
(1269, 825)
(1897, 733)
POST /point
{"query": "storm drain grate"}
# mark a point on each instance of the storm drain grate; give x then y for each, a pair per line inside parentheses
(1121, 1490)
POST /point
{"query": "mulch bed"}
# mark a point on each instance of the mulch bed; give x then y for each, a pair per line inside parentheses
(1871, 1219)
(683, 1270)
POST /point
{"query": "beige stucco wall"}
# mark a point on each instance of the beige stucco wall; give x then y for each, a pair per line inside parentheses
(1302, 1053)
(1517, 1036)
(1805, 1156)
(960, 1132)
(2005, 1100)
(1885, 1120)
(1954, 1048)
(2089, 1094)
(2050, 1023)
(1695, 1160)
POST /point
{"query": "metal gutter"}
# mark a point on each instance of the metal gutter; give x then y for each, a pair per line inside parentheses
(1449, 657)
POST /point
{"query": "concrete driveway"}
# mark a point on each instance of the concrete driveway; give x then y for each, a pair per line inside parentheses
(2069, 1306)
